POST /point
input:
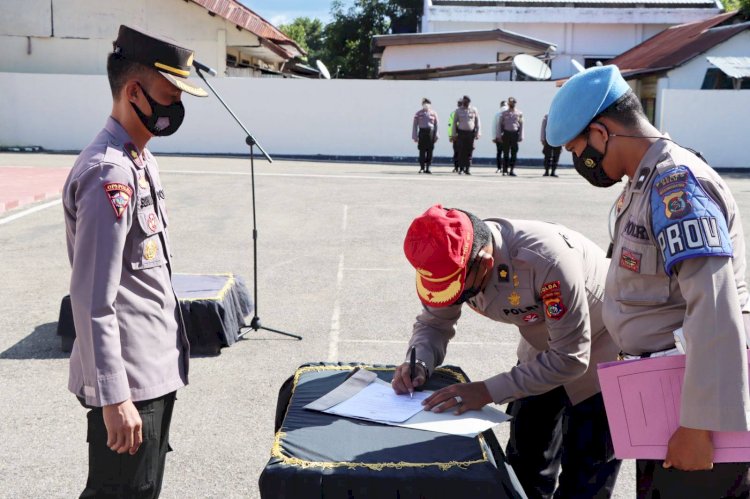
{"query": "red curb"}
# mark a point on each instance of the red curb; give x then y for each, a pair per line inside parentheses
(20, 186)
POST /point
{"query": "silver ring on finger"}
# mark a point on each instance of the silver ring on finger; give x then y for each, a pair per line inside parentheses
(458, 399)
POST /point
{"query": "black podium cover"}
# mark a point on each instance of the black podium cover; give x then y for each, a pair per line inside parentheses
(319, 455)
(214, 307)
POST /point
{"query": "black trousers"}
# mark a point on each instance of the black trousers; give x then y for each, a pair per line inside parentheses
(499, 146)
(122, 476)
(426, 144)
(548, 434)
(510, 150)
(551, 157)
(465, 148)
(726, 480)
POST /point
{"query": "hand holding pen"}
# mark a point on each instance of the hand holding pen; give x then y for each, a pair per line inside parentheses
(409, 375)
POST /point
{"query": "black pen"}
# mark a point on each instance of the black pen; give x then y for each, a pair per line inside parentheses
(412, 370)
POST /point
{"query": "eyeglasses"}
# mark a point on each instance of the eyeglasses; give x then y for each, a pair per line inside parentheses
(469, 293)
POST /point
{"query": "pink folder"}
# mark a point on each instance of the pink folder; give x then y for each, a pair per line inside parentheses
(642, 398)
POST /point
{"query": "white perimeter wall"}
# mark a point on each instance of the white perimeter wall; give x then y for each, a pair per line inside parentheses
(340, 117)
(287, 116)
(713, 122)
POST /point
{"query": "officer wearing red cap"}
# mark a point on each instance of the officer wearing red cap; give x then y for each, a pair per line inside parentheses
(547, 280)
(678, 265)
(131, 351)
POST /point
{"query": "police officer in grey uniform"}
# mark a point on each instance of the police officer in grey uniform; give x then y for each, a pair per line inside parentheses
(424, 131)
(549, 281)
(510, 130)
(551, 154)
(678, 263)
(131, 351)
(466, 129)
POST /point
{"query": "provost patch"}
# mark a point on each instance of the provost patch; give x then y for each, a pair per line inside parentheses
(119, 196)
(554, 307)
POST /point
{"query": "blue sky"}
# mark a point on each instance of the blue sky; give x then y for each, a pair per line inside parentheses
(284, 11)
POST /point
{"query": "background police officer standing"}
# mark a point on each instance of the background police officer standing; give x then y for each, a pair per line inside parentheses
(548, 281)
(551, 154)
(131, 352)
(466, 129)
(424, 132)
(497, 134)
(510, 127)
(678, 263)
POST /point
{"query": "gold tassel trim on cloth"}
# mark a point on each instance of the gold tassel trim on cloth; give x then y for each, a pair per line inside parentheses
(278, 453)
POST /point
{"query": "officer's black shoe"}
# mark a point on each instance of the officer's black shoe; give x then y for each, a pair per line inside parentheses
(512, 174)
(546, 174)
(428, 171)
(467, 172)
(554, 175)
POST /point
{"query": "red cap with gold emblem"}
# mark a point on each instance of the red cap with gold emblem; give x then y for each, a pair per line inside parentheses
(438, 244)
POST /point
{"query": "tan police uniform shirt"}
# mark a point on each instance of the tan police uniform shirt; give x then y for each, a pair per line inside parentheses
(467, 120)
(512, 121)
(425, 119)
(678, 215)
(548, 281)
(130, 342)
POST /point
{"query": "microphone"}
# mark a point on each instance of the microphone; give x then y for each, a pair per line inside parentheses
(202, 67)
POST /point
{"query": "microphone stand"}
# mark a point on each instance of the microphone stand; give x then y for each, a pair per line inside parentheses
(250, 141)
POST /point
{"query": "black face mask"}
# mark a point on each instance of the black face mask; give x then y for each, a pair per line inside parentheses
(164, 120)
(589, 165)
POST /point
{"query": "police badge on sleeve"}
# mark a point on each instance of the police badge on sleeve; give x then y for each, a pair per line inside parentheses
(119, 196)
(686, 221)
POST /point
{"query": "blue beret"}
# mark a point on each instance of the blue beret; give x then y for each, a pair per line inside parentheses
(583, 96)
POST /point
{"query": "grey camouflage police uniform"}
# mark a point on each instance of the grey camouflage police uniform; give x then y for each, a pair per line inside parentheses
(130, 340)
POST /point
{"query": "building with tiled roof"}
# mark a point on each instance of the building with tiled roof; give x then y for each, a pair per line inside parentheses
(74, 36)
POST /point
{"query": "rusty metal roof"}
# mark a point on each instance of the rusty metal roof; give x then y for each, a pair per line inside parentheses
(235, 12)
(677, 45)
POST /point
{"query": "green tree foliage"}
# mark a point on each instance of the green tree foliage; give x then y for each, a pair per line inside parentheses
(308, 33)
(349, 35)
(345, 44)
(742, 5)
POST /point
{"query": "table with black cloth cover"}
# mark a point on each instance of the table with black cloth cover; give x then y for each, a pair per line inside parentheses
(214, 307)
(319, 455)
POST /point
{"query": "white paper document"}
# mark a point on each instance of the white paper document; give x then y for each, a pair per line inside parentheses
(364, 396)
(380, 403)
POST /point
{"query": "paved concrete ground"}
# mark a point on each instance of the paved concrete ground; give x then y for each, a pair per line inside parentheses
(331, 269)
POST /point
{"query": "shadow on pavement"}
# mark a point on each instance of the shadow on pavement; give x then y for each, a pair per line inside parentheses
(42, 343)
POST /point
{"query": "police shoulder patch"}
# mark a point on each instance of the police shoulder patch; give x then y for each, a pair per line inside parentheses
(551, 295)
(119, 196)
(685, 220)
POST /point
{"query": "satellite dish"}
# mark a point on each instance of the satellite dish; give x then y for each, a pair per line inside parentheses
(578, 66)
(531, 68)
(323, 69)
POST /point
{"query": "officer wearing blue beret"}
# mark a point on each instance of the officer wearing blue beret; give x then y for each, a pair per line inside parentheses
(677, 268)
